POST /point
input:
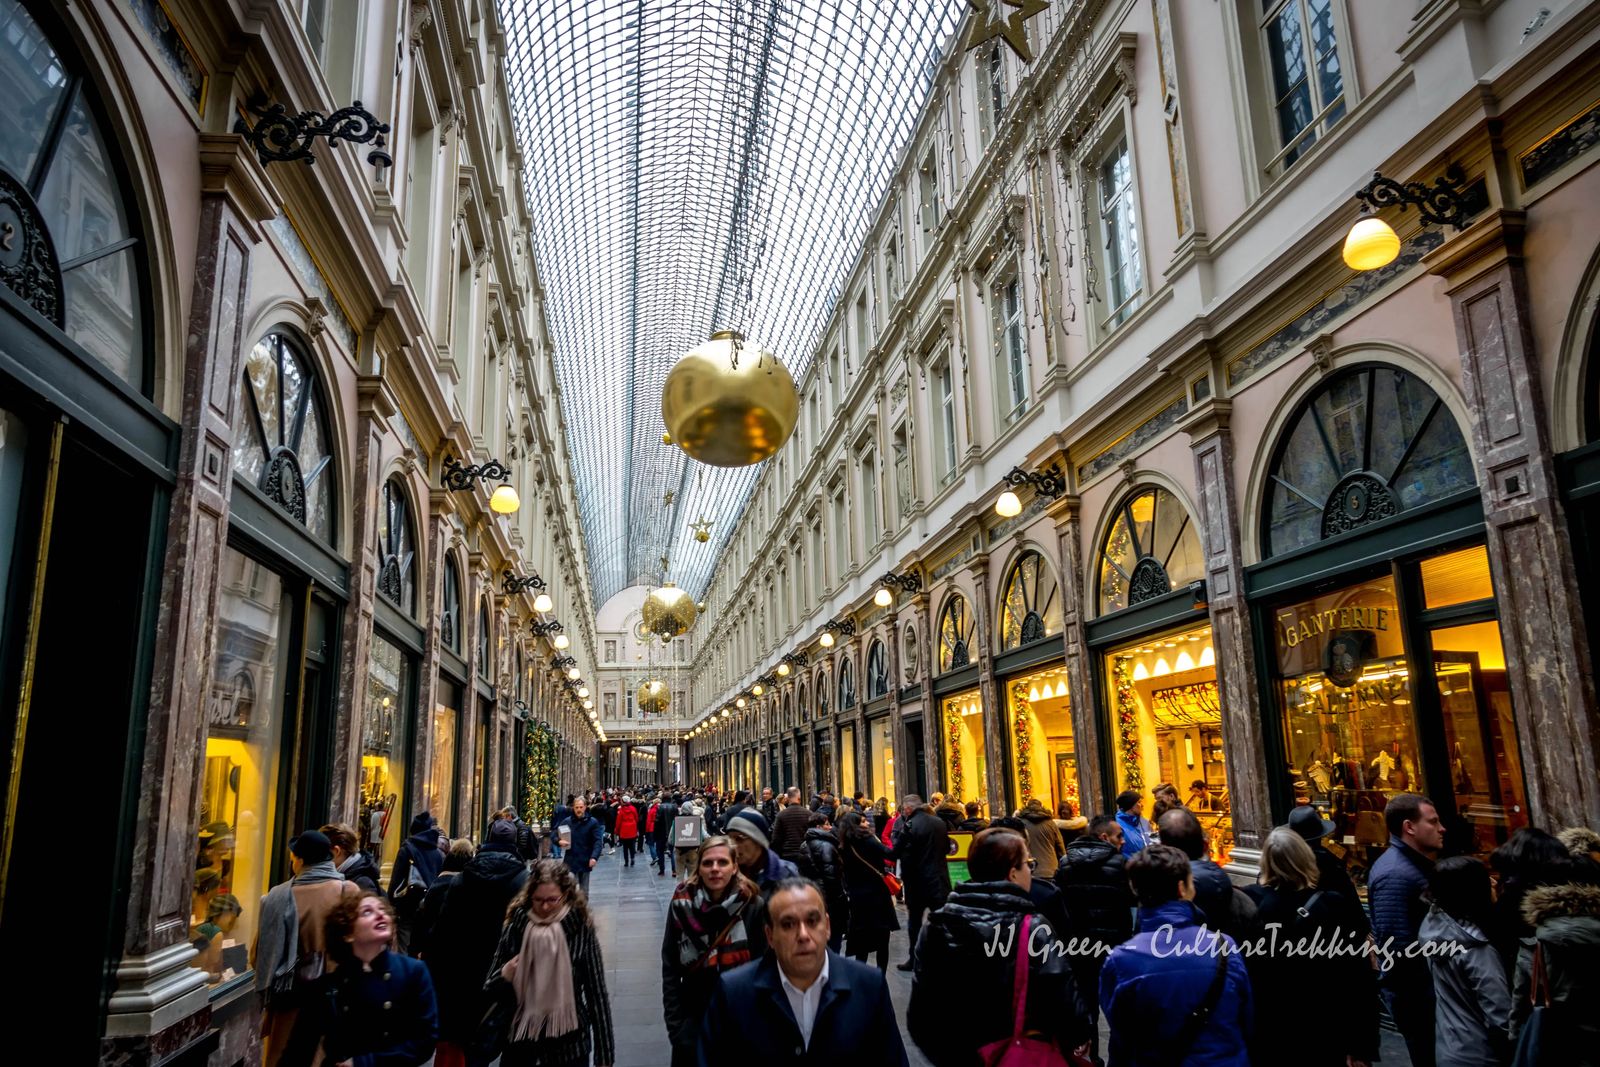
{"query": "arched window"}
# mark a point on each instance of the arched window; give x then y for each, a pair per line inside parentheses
(281, 443)
(450, 609)
(1030, 608)
(955, 634)
(847, 685)
(71, 245)
(1370, 443)
(1151, 549)
(822, 694)
(877, 671)
(518, 675)
(483, 640)
(397, 555)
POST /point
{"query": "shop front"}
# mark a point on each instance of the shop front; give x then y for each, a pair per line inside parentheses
(849, 780)
(823, 749)
(1042, 760)
(880, 759)
(964, 750)
(1376, 612)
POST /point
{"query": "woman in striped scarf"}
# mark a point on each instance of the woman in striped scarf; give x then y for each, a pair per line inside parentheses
(717, 921)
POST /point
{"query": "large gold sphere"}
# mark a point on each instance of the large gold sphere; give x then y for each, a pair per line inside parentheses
(727, 415)
(668, 611)
(653, 697)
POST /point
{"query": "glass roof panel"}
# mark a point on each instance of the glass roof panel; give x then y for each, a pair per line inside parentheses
(695, 165)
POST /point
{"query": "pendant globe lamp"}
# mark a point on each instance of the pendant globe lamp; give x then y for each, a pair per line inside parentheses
(1370, 244)
(729, 403)
(668, 611)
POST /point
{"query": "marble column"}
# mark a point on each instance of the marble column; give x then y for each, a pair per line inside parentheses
(161, 1003)
(1530, 557)
(1244, 751)
(440, 508)
(989, 692)
(897, 725)
(1086, 719)
(932, 717)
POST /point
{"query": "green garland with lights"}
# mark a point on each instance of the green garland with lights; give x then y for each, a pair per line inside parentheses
(957, 781)
(1127, 723)
(1020, 710)
(539, 772)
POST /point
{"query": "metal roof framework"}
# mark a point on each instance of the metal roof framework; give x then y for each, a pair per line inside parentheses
(695, 165)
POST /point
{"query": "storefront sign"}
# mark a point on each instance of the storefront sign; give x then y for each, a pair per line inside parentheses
(1293, 629)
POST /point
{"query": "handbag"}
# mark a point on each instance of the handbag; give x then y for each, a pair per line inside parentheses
(1019, 1050)
(1539, 1042)
(890, 882)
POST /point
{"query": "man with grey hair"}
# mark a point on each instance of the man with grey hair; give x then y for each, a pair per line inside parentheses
(922, 845)
(789, 831)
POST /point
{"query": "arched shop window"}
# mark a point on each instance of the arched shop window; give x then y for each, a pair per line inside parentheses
(847, 685)
(484, 665)
(955, 634)
(1371, 443)
(281, 444)
(72, 244)
(1030, 608)
(877, 671)
(397, 553)
(822, 694)
(1151, 549)
(450, 612)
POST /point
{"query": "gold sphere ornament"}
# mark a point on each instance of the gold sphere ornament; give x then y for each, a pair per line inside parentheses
(729, 403)
(668, 611)
(653, 697)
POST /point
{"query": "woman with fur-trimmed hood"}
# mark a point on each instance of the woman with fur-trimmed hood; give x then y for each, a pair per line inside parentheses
(1565, 916)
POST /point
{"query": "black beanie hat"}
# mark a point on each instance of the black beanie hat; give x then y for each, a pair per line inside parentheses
(312, 846)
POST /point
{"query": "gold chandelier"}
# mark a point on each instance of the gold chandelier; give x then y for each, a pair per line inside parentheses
(728, 403)
(668, 611)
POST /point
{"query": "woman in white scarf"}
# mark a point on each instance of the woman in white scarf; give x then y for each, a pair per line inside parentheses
(549, 970)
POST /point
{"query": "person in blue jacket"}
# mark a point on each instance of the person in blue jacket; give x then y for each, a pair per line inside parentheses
(1395, 890)
(588, 840)
(1175, 993)
(1135, 827)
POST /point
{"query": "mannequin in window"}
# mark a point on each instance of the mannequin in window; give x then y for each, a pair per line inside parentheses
(1383, 765)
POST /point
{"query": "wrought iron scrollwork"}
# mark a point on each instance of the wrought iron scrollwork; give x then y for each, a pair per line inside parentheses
(959, 656)
(1047, 481)
(389, 583)
(278, 136)
(1359, 499)
(28, 263)
(1148, 581)
(283, 483)
(512, 585)
(456, 477)
(1445, 202)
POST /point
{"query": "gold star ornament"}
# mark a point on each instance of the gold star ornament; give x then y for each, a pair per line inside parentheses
(1005, 19)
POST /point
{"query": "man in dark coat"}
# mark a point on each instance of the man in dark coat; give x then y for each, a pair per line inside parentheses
(752, 850)
(845, 1013)
(588, 840)
(462, 942)
(769, 806)
(666, 814)
(1331, 873)
(1094, 886)
(790, 829)
(820, 861)
(419, 852)
(562, 813)
(1226, 908)
(1395, 888)
(922, 845)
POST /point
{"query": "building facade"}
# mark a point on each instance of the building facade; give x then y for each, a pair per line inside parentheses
(257, 372)
(1308, 534)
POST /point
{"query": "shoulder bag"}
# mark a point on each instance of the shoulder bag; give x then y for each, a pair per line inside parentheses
(890, 882)
(1540, 1038)
(1196, 1021)
(1019, 1050)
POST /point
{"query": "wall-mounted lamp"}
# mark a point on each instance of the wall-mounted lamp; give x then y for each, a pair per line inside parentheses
(1049, 482)
(512, 585)
(906, 583)
(1372, 243)
(843, 626)
(458, 478)
(278, 136)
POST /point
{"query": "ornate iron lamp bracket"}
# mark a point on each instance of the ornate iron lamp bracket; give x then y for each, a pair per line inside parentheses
(512, 585)
(1446, 202)
(847, 627)
(456, 477)
(545, 629)
(1048, 482)
(907, 583)
(278, 136)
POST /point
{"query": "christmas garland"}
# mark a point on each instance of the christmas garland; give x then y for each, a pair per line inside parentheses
(539, 772)
(957, 782)
(1127, 723)
(1023, 738)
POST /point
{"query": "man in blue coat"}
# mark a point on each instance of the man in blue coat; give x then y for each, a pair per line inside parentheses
(1175, 993)
(588, 839)
(1394, 889)
(800, 1003)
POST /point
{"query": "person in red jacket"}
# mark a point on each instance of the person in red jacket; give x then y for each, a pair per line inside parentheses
(628, 829)
(650, 827)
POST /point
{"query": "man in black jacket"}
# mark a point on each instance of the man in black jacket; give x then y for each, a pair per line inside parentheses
(1094, 885)
(1331, 873)
(790, 829)
(820, 861)
(666, 814)
(1227, 909)
(922, 845)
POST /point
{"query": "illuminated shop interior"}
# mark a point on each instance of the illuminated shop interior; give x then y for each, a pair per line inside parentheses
(1044, 760)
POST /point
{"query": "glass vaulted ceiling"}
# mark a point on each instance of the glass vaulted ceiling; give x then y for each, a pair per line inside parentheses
(695, 165)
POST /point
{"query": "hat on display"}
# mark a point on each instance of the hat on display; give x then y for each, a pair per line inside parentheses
(312, 846)
(1305, 821)
(752, 824)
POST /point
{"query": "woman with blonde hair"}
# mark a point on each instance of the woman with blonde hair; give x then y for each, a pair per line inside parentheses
(1293, 917)
(717, 920)
(548, 977)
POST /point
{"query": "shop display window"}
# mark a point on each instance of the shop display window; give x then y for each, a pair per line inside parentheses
(1151, 549)
(441, 790)
(385, 730)
(1044, 762)
(1166, 726)
(848, 783)
(956, 627)
(1030, 607)
(880, 743)
(966, 761)
(1469, 666)
(238, 793)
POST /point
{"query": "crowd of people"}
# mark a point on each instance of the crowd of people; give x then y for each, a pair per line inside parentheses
(777, 938)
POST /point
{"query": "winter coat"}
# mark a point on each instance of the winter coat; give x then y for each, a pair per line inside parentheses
(1394, 891)
(666, 814)
(1225, 907)
(627, 822)
(384, 1016)
(361, 870)
(428, 913)
(650, 820)
(527, 840)
(973, 826)
(820, 861)
(774, 869)
(463, 939)
(589, 996)
(1472, 999)
(750, 1021)
(1094, 882)
(1566, 925)
(872, 913)
(769, 810)
(971, 945)
(1156, 979)
(952, 814)
(922, 845)
(1135, 832)
(559, 816)
(588, 839)
(1346, 984)
(686, 988)
(1044, 840)
(420, 850)
(790, 830)
(1332, 875)
(1072, 829)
